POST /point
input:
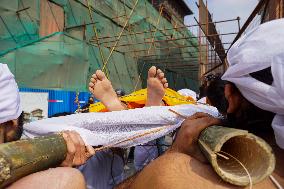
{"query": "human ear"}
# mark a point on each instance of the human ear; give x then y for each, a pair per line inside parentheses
(231, 96)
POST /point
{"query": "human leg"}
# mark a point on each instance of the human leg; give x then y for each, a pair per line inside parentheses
(102, 89)
(56, 178)
(180, 171)
(156, 86)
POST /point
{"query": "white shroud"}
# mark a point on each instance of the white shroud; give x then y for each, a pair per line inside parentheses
(110, 128)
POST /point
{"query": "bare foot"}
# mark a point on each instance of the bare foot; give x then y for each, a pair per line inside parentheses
(156, 86)
(102, 89)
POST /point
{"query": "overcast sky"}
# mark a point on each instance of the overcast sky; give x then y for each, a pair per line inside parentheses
(223, 10)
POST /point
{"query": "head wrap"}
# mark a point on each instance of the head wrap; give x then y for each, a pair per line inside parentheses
(259, 49)
(9, 95)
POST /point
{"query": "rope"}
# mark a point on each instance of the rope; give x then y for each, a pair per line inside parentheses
(249, 177)
(148, 51)
(275, 182)
(97, 37)
(132, 138)
(118, 38)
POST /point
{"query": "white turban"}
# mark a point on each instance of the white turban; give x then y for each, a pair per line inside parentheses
(9, 95)
(259, 49)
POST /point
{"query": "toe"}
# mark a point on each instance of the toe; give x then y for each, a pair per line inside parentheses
(152, 71)
(166, 85)
(91, 89)
(91, 84)
(161, 75)
(164, 81)
(94, 75)
(159, 72)
(93, 80)
(100, 75)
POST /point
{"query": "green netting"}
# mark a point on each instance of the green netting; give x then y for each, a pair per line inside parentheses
(65, 60)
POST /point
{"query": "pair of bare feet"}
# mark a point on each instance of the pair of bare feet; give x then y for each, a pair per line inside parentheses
(102, 89)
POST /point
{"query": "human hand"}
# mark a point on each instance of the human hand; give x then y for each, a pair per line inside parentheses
(187, 137)
(77, 152)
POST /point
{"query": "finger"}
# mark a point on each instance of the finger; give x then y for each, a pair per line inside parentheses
(198, 115)
(206, 122)
(83, 157)
(70, 150)
(76, 142)
(90, 151)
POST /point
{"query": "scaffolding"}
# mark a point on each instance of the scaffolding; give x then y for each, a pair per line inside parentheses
(70, 39)
(266, 10)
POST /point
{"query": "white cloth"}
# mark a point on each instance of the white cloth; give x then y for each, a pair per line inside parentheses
(9, 95)
(202, 100)
(187, 92)
(259, 49)
(109, 128)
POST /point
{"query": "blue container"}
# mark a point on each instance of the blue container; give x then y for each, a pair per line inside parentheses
(61, 101)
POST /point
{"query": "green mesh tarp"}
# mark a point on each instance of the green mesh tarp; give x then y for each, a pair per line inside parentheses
(66, 59)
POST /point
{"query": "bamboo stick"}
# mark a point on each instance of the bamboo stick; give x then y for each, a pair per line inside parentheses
(248, 159)
(23, 157)
(253, 153)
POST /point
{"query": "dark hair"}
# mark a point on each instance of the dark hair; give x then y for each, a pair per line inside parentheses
(120, 92)
(251, 118)
(216, 96)
(259, 120)
(19, 130)
(61, 114)
(264, 76)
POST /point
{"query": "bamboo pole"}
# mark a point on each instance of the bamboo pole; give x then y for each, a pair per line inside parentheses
(181, 38)
(251, 151)
(174, 28)
(24, 157)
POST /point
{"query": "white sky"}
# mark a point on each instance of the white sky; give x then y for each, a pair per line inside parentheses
(223, 10)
